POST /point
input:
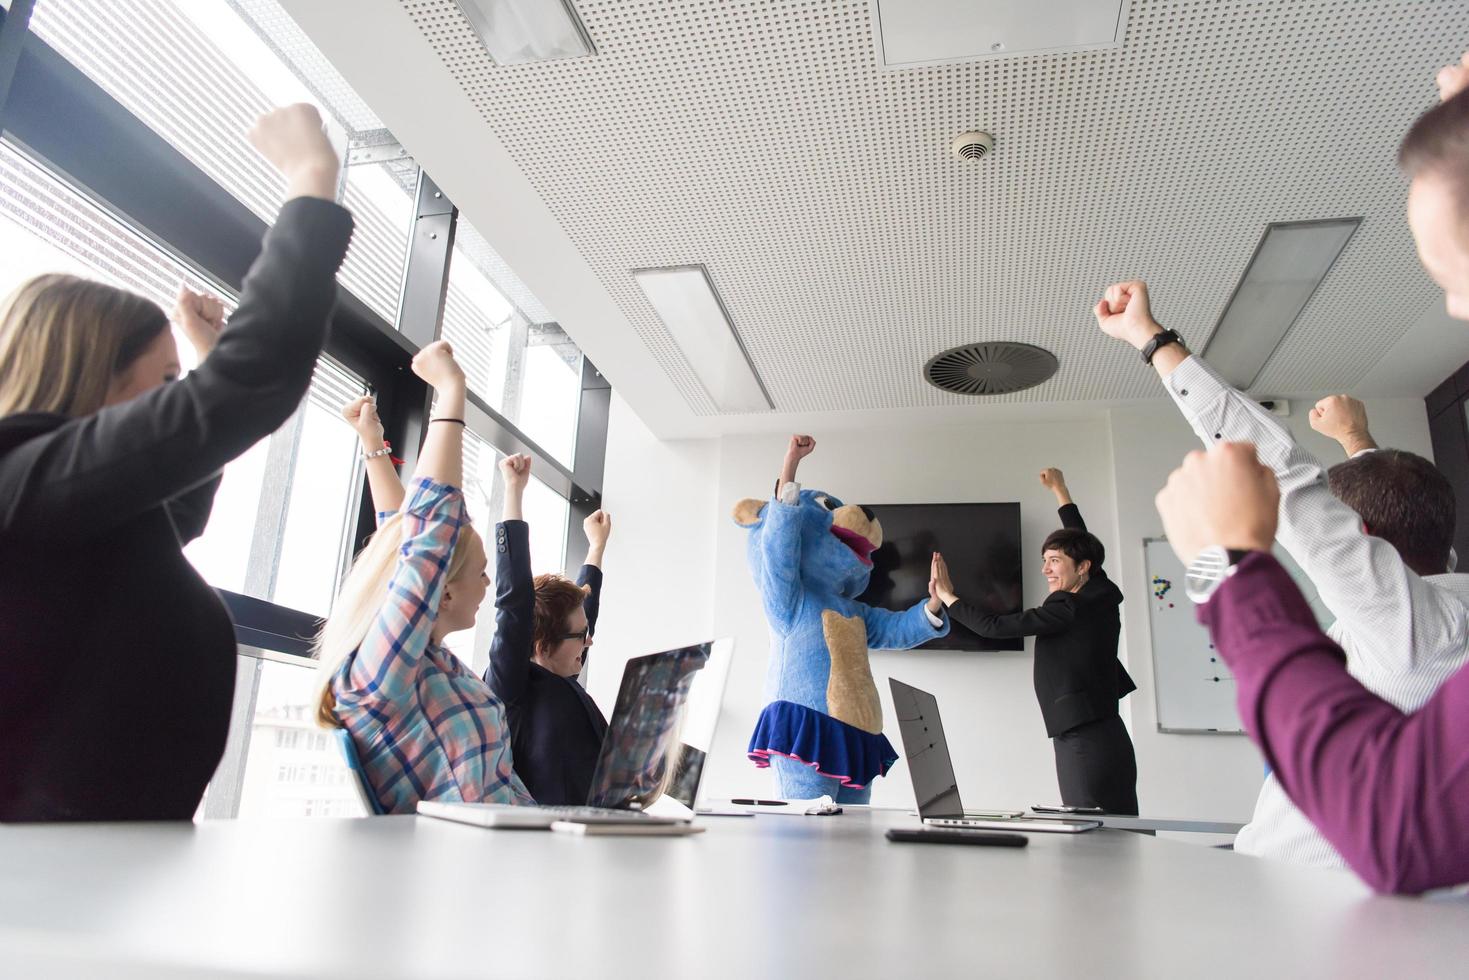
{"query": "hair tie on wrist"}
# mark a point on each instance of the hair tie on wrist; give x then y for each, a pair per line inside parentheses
(456, 421)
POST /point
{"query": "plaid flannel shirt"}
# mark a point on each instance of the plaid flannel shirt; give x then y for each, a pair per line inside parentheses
(426, 728)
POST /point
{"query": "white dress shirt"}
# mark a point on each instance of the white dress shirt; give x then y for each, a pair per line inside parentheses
(1403, 635)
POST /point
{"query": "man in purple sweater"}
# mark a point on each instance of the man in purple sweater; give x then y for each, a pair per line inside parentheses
(1390, 791)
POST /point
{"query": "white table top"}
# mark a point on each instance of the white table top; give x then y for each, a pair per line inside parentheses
(764, 896)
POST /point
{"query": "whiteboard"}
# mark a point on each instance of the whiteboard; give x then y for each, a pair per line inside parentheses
(1192, 688)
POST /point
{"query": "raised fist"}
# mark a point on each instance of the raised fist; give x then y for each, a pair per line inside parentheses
(435, 364)
(1124, 312)
(1453, 79)
(1339, 416)
(598, 528)
(800, 447)
(292, 139)
(1223, 497)
(1052, 478)
(201, 318)
(515, 471)
(361, 415)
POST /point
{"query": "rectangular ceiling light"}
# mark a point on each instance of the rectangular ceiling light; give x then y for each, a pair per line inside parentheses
(1287, 267)
(699, 323)
(519, 31)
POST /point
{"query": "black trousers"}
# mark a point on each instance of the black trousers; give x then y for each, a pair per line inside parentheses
(1095, 766)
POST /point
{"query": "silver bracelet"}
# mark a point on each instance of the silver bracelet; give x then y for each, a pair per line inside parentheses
(385, 451)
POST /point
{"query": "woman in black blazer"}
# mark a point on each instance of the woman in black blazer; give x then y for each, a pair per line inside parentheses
(543, 633)
(1078, 678)
(117, 661)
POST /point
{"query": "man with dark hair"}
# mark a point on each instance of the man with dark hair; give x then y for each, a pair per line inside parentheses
(1403, 499)
(1078, 678)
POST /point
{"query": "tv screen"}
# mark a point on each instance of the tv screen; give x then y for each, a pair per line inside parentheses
(980, 542)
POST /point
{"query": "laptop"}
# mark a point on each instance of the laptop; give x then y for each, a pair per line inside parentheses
(932, 771)
(653, 754)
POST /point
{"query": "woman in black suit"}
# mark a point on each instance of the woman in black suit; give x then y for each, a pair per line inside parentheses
(1078, 678)
(536, 661)
(117, 661)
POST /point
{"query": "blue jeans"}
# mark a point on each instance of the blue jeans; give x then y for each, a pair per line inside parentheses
(799, 781)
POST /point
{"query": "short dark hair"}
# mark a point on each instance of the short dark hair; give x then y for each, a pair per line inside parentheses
(1403, 499)
(1077, 545)
(556, 599)
(1439, 143)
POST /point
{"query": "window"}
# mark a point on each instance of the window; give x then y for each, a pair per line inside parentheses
(546, 512)
(199, 72)
(46, 226)
(293, 768)
(527, 370)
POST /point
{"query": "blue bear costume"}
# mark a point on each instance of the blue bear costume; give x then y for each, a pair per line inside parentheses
(822, 725)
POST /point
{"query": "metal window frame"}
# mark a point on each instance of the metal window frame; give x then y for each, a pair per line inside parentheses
(60, 117)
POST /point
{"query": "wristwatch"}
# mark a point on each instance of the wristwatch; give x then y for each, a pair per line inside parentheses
(1209, 570)
(1159, 340)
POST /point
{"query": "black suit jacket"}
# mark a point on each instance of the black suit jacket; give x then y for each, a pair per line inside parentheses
(556, 728)
(117, 662)
(1078, 677)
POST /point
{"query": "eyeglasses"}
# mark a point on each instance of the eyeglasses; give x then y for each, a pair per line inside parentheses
(580, 636)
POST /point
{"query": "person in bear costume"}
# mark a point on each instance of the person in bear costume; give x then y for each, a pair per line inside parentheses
(811, 556)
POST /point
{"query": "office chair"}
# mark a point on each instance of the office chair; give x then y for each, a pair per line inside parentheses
(359, 778)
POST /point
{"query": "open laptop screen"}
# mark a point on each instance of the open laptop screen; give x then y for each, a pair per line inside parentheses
(927, 752)
(664, 702)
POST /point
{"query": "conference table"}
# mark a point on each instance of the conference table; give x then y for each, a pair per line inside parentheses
(765, 896)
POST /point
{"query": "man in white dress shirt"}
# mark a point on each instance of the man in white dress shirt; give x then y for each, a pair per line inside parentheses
(1379, 565)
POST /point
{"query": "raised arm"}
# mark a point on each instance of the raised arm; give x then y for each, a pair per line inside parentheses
(1389, 791)
(780, 538)
(1360, 578)
(1055, 615)
(598, 528)
(382, 477)
(515, 595)
(98, 471)
(387, 661)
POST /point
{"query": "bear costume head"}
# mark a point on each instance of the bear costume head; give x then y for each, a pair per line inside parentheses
(837, 541)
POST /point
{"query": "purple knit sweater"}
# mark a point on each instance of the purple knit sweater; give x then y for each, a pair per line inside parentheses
(1389, 790)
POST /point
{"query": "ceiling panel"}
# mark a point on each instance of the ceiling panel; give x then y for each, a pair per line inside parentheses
(762, 139)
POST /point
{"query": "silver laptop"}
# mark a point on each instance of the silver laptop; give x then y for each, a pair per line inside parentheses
(656, 745)
(932, 772)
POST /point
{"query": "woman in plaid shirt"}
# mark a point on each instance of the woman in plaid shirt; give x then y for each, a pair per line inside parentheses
(425, 727)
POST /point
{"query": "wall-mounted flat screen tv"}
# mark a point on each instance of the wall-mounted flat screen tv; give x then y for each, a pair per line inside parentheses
(980, 542)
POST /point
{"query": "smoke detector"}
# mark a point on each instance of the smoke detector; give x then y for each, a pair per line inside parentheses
(972, 146)
(990, 368)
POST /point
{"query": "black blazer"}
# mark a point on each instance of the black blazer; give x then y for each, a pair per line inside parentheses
(117, 662)
(1078, 677)
(556, 728)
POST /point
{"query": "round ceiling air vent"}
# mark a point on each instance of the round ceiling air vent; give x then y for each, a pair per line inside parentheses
(990, 368)
(972, 146)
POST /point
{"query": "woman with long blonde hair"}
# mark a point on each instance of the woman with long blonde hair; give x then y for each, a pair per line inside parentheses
(543, 632)
(424, 726)
(117, 661)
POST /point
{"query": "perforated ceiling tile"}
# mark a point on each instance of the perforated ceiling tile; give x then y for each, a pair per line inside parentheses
(761, 139)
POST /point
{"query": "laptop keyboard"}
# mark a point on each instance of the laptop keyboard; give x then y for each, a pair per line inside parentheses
(592, 813)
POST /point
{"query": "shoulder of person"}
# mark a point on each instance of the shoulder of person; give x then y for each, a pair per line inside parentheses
(22, 427)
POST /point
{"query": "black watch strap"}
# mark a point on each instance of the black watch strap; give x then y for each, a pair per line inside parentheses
(1159, 340)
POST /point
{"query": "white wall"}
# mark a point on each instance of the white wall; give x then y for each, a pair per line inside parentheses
(658, 590)
(677, 572)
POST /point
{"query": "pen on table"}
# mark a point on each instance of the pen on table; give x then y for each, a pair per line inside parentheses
(759, 802)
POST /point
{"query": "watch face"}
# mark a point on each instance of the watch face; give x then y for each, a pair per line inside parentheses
(1205, 573)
